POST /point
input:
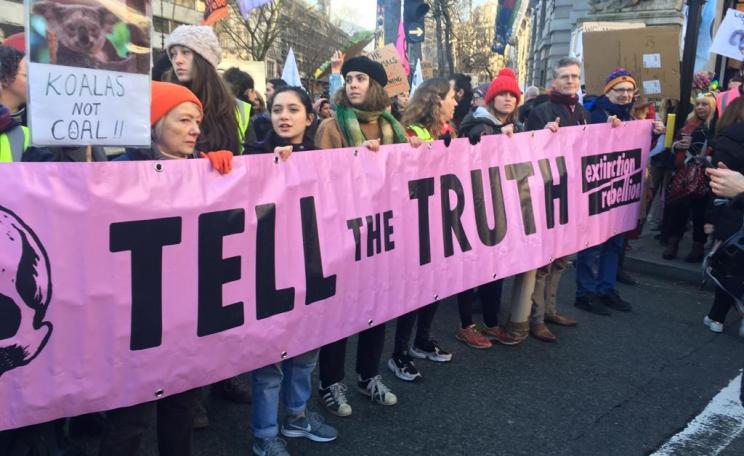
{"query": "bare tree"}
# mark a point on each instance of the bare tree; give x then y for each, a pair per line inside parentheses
(252, 39)
(443, 13)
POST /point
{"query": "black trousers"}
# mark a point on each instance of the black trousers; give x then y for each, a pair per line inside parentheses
(126, 426)
(677, 213)
(722, 302)
(369, 351)
(490, 296)
(404, 327)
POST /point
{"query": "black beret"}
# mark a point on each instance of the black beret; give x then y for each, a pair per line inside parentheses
(364, 64)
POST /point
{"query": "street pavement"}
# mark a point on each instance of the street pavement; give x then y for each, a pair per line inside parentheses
(618, 385)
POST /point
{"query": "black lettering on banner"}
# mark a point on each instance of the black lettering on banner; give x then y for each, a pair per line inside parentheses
(422, 190)
(317, 286)
(521, 172)
(214, 271)
(388, 229)
(451, 218)
(374, 235)
(619, 193)
(269, 300)
(489, 236)
(553, 192)
(612, 179)
(355, 226)
(145, 240)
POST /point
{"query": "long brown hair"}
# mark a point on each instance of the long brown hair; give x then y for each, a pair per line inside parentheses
(219, 127)
(734, 113)
(375, 100)
(511, 118)
(425, 106)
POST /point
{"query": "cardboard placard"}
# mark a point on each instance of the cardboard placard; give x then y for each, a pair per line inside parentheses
(397, 79)
(651, 54)
(92, 91)
(427, 70)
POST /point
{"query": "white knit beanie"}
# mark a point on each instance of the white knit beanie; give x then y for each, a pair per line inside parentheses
(200, 39)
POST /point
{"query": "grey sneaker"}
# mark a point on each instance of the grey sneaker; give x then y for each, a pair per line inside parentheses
(311, 426)
(377, 391)
(270, 447)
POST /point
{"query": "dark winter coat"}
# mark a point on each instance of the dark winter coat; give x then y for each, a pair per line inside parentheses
(728, 148)
(145, 154)
(481, 122)
(273, 141)
(548, 111)
(603, 108)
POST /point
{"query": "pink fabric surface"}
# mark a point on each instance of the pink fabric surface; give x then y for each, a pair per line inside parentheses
(87, 364)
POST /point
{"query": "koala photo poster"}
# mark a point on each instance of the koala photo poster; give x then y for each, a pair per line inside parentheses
(89, 72)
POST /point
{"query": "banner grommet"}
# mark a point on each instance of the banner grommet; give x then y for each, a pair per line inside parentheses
(159, 393)
(159, 168)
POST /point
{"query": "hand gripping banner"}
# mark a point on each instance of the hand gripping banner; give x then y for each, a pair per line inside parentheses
(125, 282)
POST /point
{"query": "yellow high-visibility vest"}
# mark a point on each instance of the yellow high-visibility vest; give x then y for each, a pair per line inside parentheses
(13, 144)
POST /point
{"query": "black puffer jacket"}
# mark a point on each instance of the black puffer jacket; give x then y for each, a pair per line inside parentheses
(728, 148)
(481, 122)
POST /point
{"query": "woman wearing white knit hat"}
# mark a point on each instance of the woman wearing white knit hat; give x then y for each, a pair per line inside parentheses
(195, 53)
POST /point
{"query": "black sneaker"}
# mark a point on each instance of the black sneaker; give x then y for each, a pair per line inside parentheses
(431, 351)
(591, 304)
(403, 368)
(334, 399)
(614, 301)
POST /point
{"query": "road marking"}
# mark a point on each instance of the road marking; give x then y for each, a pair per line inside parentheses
(714, 429)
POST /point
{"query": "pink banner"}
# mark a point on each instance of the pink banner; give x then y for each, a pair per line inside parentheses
(124, 282)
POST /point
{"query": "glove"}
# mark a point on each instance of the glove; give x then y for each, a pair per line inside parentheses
(447, 139)
(474, 138)
(221, 160)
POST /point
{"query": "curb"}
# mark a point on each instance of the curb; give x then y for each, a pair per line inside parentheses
(665, 270)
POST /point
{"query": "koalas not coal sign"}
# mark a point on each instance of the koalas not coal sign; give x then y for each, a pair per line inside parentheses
(88, 73)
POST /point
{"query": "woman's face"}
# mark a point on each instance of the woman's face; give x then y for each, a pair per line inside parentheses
(269, 90)
(402, 101)
(702, 109)
(179, 130)
(325, 111)
(447, 106)
(289, 117)
(357, 85)
(182, 59)
(504, 103)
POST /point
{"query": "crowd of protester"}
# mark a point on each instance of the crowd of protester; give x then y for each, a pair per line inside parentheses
(198, 113)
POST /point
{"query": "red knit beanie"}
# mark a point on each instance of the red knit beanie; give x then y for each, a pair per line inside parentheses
(166, 96)
(506, 81)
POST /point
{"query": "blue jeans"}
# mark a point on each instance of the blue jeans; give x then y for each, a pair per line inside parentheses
(293, 378)
(605, 258)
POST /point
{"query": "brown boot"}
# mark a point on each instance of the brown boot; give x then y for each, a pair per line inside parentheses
(541, 332)
(697, 253)
(518, 331)
(560, 320)
(670, 252)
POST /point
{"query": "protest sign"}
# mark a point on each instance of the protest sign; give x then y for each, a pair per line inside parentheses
(126, 282)
(427, 69)
(214, 11)
(651, 54)
(90, 86)
(729, 40)
(397, 78)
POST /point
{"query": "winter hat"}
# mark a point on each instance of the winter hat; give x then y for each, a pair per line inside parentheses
(506, 81)
(166, 96)
(480, 91)
(17, 41)
(364, 64)
(617, 76)
(200, 39)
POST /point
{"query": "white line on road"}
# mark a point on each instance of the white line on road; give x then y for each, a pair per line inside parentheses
(714, 429)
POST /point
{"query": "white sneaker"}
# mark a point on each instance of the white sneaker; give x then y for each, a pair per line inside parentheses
(713, 325)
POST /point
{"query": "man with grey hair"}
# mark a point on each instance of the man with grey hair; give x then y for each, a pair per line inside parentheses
(529, 103)
(563, 108)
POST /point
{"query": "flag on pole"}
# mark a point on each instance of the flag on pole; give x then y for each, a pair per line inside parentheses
(246, 6)
(290, 73)
(418, 78)
(400, 46)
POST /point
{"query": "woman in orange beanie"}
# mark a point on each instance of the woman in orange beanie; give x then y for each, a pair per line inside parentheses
(176, 116)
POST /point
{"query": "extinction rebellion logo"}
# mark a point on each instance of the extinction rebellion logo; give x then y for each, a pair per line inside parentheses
(612, 179)
(25, 293)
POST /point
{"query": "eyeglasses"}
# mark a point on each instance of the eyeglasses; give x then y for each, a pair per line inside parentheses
(623, 90)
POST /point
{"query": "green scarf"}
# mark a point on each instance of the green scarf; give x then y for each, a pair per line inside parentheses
(348, 120)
